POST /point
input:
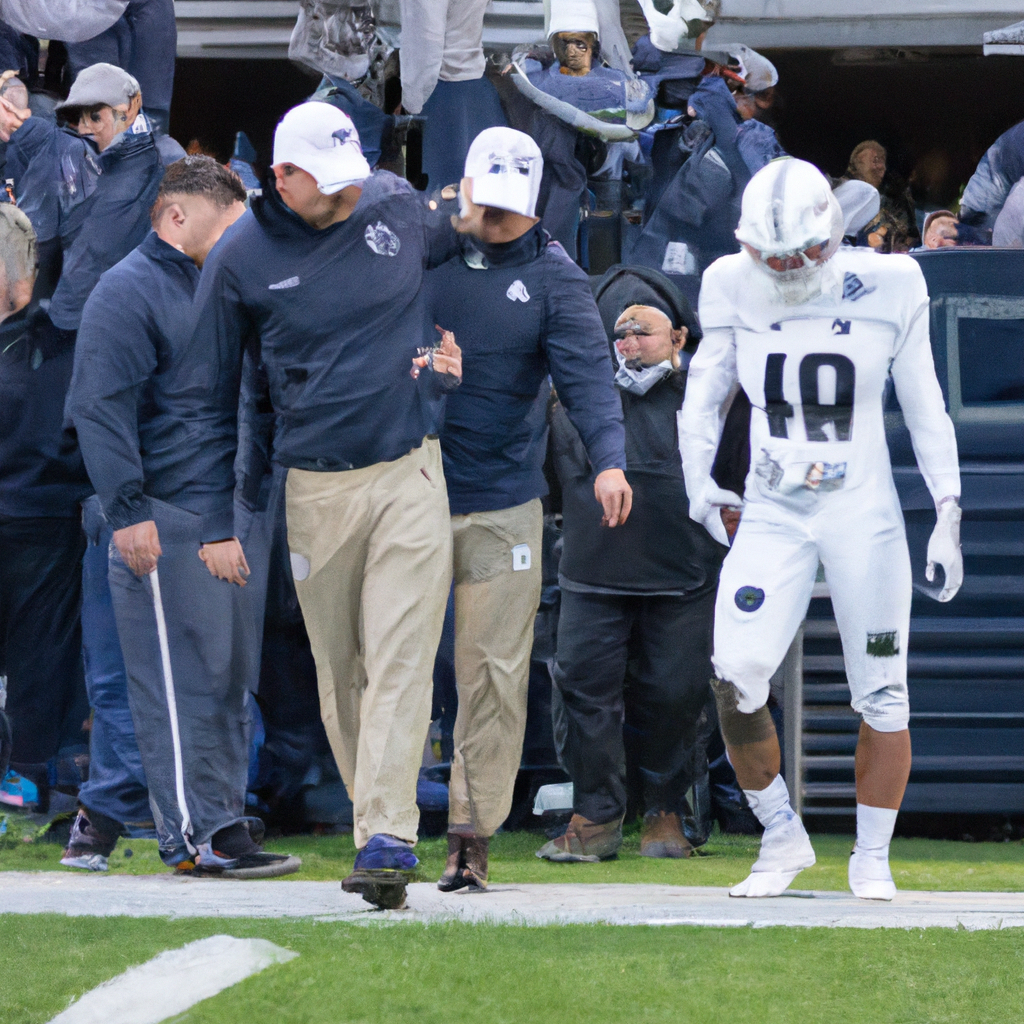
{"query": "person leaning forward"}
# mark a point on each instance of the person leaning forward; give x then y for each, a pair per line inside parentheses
(174, 563)
(324, 277)
(521, 309)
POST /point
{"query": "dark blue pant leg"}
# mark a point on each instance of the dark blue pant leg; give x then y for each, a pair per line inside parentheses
(116, 785)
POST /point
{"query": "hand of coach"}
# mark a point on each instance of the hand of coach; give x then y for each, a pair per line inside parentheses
(139, 546)
(615, 496)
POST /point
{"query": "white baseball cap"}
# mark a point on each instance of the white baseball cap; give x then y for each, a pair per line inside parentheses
(505, 167)
(321, 140)
(573, 16)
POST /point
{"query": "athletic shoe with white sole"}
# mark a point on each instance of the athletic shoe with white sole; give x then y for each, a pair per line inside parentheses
(785, 851)
(92, 840)
(870, 877)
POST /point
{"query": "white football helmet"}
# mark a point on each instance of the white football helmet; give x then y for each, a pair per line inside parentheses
(791, 224)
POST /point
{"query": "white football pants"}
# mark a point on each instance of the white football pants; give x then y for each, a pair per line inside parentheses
(766, 586)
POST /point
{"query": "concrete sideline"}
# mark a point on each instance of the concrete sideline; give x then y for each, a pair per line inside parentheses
(167, 896)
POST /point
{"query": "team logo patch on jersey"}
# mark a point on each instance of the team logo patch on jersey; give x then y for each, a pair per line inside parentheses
(884, 645)
(517, 292)
(854, 288)
(749, 599)
(841, 326)
(381, 239)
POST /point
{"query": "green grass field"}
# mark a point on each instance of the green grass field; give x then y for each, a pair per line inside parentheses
(412, 974)
(917, 863)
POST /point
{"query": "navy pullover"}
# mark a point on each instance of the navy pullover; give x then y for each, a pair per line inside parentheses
(135, 401)
(108, 223)
(519, 311)
(337, 316)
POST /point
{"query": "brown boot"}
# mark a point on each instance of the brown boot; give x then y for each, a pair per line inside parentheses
(662, 836)
(584, 841)
(474, 850)
(466, 864)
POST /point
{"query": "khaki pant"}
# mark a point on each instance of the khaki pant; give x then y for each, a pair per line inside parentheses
(495, 605)
(371, 552)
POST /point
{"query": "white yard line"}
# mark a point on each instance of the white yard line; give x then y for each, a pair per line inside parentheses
(174, 981)
(557, 903)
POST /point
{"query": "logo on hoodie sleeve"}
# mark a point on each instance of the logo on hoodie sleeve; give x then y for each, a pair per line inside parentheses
(382, 240)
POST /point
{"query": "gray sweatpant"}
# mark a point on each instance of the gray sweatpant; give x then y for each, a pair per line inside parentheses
(196, 778)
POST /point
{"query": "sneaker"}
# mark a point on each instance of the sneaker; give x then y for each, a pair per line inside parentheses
(466, 866)
(231, 853)
(17, 791)
(785, 851)
(662, 836)
(870, 877)
(92, 841)
(383, 868)
(585, 842)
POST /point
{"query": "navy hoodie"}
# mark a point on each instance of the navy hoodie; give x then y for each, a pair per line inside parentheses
(137, 403)
(519, 311)
(108, 223)
(336, 315)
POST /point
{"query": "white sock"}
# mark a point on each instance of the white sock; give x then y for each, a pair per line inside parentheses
(771, 805)
(874, 830)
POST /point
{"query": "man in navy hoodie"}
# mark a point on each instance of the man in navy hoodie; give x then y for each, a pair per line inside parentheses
(175, 562)
(521, 310)
(324, 278)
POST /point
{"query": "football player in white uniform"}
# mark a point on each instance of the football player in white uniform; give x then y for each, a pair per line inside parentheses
(812, 332)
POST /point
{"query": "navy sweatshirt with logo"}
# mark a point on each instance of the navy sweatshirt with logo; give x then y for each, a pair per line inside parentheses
(520, 311)
(136, 402)
(336, 315)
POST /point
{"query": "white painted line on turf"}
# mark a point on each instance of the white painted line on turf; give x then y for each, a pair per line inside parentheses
(174, 981)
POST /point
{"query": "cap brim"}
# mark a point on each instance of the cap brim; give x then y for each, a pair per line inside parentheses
(499, 191)
(333, 174)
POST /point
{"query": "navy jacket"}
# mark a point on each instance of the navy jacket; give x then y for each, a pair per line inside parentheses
(337, 316)
(136, 401)
(41, 472)
(108, 224)
(520, 311)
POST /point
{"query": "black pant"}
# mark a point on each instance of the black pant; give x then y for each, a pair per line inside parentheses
(41, 634)
(663, 645)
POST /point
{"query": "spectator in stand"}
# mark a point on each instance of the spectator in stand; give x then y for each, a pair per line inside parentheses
(998, 171)
(639, 599)
(493, 443)
(443, 79)
(175, 558)
(940, 230)
(895, 227)
(1008, 231)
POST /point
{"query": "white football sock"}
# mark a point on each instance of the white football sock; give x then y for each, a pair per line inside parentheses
(771, 805)
(874, 830)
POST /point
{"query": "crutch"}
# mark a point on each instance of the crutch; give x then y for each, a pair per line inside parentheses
(172, 709)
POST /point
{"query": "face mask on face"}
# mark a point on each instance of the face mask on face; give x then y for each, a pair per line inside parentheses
(640, 380)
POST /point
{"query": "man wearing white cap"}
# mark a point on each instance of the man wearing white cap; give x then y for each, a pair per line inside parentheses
(510, 274)
(323, 278)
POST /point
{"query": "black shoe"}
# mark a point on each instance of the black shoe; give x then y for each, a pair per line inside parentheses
(92, 841)
(231, 853)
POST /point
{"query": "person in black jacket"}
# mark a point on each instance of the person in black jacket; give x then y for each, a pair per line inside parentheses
(175, 559)
(521, 310)
(324, 277)
(41, 543)
(637, 602)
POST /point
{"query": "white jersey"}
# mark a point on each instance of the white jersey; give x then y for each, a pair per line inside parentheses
(815, 374)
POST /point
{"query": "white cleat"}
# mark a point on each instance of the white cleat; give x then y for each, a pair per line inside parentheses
(870, 877)
(785, 851)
